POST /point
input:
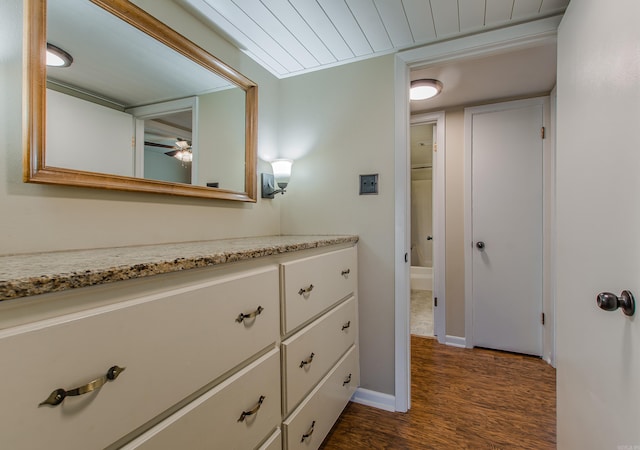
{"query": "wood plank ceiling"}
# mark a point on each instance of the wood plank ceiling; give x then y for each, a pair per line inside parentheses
(290, 37)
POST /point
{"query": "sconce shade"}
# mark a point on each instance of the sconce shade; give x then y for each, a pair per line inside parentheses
(281, 175)
(282, 171)
(424, 89)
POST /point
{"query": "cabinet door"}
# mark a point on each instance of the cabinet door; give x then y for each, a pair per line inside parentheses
(312, 285)
(311, 353)
(172, 344)
(237, 414)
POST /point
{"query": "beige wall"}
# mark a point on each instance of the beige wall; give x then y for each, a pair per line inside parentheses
(43, 218)
(337, 124)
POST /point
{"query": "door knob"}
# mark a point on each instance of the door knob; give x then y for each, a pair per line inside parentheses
(480, 245)
(611, 302)
(429, 238)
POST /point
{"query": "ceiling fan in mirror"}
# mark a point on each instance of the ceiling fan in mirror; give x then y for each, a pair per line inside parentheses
(181, 150)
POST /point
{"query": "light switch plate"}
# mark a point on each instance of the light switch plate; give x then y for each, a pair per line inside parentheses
(369, 184)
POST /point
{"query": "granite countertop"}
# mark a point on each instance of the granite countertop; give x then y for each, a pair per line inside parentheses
(40, 273)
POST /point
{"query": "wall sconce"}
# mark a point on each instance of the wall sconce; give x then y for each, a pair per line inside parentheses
(281, 175)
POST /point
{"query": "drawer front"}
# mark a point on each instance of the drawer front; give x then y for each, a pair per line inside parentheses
(327, 339)
(313, 419)
(212, 420)
(171, 344)
(311, 285)
(274, 442)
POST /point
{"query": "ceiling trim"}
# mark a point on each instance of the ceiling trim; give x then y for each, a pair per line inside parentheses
(528, 34)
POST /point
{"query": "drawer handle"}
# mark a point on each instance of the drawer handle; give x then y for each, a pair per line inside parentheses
(243, 316)
(305, 290)
(308, 433)
(346, 325)
(309, 360)
(346, 272)
(347, 380)
(59, 395)
(251, 412)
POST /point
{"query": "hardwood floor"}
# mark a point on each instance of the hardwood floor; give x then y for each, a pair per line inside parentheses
(461, 399)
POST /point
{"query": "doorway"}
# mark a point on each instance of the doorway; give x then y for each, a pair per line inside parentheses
(504, 148)
(421, 272)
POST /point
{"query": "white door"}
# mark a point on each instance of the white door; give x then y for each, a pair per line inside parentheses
(506, 186)
(598, 225)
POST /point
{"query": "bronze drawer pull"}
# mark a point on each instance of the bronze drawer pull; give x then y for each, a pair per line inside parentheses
(346, 325)
(307, 361)
(308, 433)
(347, 380)
(58, 395)
(305, 290)
(346, 272)
(243, 316)
(252, 411)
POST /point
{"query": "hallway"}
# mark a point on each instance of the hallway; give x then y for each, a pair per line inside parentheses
(461, 398)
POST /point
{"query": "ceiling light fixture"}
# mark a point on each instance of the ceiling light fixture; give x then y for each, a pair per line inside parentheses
(184, 152)
(56, 57)
(424, 89)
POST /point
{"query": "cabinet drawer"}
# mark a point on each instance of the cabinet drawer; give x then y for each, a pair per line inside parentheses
(274, 442)
(212, 420)
(316, 415)
(327, 339)
(171, 344)
(311, 285)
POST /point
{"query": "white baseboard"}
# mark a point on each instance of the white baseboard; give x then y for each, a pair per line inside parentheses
(378, 400)
(456, 341)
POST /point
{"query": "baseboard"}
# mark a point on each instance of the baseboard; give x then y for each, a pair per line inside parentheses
(378, 400)
(456, 341)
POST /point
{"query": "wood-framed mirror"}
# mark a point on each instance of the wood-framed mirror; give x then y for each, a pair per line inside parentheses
(141, 108)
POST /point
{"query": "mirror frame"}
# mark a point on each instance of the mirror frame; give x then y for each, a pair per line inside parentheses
(35, 169)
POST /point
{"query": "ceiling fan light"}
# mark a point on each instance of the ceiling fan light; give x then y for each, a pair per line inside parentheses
(184, 155)
(424, 89)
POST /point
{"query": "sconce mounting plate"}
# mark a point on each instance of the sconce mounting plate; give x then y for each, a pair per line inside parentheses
(268, 185)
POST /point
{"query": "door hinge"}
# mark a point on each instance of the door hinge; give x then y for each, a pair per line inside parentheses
(435, 302)
(542, 132)
(435, 147)
(542, 318)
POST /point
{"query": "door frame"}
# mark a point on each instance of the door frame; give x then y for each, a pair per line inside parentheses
(547, 194)
(505, 39)
(438, 219)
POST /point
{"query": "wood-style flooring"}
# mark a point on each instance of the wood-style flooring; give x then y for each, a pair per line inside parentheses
(460, 399)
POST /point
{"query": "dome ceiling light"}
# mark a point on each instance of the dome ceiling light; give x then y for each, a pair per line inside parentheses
(424, 89)
(56, 57)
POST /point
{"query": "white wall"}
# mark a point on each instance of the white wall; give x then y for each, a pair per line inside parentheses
(38, 218)
(86, 136)
(337, 124)
(221, 139)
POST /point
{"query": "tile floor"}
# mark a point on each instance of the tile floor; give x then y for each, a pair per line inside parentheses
(422, 313)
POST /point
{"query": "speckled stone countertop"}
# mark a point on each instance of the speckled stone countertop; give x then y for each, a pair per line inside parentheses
(40, 273)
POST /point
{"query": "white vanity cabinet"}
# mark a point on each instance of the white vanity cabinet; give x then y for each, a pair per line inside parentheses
(231, 357)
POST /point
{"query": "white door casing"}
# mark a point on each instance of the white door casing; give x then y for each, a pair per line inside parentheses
(504, 158)
(598, 225)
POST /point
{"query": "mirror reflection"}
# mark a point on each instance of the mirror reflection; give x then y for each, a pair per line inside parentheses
(130, 106)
